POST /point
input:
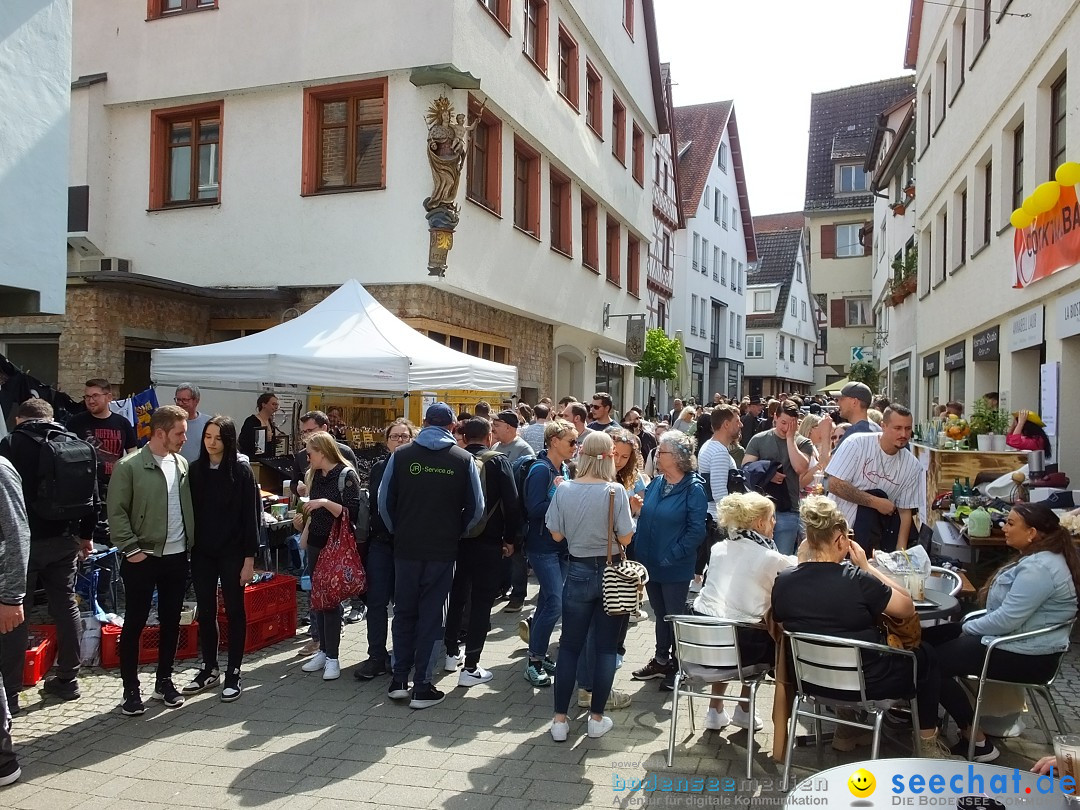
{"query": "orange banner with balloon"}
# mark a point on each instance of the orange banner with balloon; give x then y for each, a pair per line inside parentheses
(1047, 237)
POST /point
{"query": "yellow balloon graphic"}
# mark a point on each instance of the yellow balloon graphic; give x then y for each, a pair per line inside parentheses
(1021, 218)
(862, 783)
(1046, 195)
(1068, 174)
(1030, 207)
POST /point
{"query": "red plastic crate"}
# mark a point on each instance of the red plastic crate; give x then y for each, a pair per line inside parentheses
(269, 598)
(41, 657)
(149, 642)
(261, 632)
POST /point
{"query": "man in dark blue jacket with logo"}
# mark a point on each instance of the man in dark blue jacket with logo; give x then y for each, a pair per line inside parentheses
(429, 497)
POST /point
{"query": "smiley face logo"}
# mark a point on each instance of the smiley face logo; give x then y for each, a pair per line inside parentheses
(414, 468)
(861, 783)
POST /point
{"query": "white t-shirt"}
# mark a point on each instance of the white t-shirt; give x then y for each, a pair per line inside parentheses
(740, 581)
(175, 537)
(862, 463)
(715, 460)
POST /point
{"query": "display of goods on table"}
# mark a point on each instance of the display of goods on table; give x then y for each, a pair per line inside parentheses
(40, 653)
(149, 644)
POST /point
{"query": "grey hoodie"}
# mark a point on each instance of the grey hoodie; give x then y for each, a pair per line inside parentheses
(14, 536)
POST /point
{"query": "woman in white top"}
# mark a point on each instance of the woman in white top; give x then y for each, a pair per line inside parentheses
(739, 587)
(818, 429)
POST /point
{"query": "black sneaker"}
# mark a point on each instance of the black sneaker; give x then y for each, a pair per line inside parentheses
(984, 751)
(132, 705)
(65, 690)
(426, 696)
(653, 669)
(10, 773)
(668, 684)
(203, 679)
(371, 668)
(166, 692)
(232, 688)
(356, 614)
(399, 690)
(13, 704)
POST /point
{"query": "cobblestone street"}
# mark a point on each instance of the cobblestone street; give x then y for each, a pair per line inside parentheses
(293, 740)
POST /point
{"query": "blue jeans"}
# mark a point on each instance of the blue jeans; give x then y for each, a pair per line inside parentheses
(550, 569)
(380, 593)
(421, 590)
(787, 532)
(666, 599)
(583, 611)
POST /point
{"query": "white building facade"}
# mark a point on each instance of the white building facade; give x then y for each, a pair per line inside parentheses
(996, 115)
(781, 329)
(35, 59)
(713, 251)
(261, 144)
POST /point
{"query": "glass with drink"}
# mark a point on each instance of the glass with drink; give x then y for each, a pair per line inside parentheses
(1067, 751)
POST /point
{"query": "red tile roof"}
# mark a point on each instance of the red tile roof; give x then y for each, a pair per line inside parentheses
(790, 221)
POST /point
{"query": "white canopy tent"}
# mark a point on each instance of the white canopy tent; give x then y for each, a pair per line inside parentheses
(349, 340)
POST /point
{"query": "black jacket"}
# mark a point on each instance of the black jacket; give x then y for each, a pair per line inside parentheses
(226, 511)
(23, 453)
(500, 499)
(751, 426)
(378, 528)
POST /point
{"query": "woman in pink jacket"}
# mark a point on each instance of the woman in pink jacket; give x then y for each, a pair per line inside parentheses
(1027, 433)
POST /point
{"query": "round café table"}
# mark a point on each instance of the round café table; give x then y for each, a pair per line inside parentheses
(936, 605)
(1009, 786)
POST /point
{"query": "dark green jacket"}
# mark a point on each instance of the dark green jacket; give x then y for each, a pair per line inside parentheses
(139, 504)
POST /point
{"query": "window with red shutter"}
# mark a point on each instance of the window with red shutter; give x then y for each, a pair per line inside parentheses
(837, 313)
(828, 241)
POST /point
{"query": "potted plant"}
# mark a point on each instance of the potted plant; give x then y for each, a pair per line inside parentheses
(904, 281)
(1000, 424)
(909, 188)
(982, 421)
(898, 208)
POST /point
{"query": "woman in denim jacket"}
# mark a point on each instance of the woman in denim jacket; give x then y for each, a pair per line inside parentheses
(1038, 590)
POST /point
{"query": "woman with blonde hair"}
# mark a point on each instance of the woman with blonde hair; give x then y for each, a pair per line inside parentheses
(834, 591)
(742, 570)
(818, 429)
(333, 487)
(578, 516)
(687, 418)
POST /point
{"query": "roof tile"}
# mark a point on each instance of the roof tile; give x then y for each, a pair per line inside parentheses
(777, 251)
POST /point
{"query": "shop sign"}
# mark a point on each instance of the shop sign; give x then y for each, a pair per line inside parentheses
(1068, 314)
(931, 364)
(984, 345)
(1050, 244)
(1027, 329)
(954, 356)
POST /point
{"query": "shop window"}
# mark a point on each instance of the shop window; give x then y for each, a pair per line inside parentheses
(38, 356)
(185, 156)
(344, 137)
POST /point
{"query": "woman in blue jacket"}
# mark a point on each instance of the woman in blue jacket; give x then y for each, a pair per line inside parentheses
(671, 527)
(1038, 590)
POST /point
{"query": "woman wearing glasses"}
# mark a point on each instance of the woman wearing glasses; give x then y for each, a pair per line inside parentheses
(379, 562)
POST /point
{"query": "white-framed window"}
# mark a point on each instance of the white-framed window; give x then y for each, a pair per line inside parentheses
(859, 311)
(798, 271)
(735, 273)
(708, 196)
(693, 314)
(734, 218)
(704, 319)
(731, 329)
(704, 257)
(738, 331)
(724, 211)
(805, 353)
(716, 206)
(794, 307)
(791, 350)
(755, 347)
(721, 157)
(723, 267)
(697, 249)
(851, 179)
(716, 263)
(742, 275)
(847, 240)
(802, 310)
(763, 301)
(780, 354)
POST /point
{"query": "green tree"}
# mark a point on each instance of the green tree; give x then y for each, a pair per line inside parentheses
(864, 372)
(659, 361)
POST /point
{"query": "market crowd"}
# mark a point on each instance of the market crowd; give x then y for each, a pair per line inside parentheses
(760, 511)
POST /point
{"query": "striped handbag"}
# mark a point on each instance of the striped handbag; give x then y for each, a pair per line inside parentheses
(623, 584)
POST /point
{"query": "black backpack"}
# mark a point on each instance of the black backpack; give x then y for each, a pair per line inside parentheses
(362, 525)
(67, 474)
(480, 460)
(521, 469)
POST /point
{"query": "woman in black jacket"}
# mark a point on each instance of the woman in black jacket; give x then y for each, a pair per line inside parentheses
(333, 487)
(225, 500)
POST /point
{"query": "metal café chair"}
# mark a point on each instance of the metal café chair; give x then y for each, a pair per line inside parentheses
(1039, 689)
(836, 664)
(945, 580)
(708, 652)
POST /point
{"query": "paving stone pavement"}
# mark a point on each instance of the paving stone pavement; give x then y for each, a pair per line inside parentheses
(294, 740)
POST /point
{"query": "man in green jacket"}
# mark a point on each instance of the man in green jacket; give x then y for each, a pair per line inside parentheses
(152, 524)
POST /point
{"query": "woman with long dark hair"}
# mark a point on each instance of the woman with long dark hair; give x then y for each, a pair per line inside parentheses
(1036, 590)
(225, 500)
(1026, 433)
(263, 419)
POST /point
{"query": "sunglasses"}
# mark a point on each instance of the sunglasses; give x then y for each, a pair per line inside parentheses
(572, 441)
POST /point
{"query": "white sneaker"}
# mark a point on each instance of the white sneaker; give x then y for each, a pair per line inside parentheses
(716, 720)
(598, 728)
(317, 662)
(637, 616)
(741, 718)
(332, 671)
(479, 675)
(560, 730)
(451, 663)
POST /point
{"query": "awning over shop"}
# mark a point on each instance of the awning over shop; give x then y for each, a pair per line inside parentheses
(834, 387)
(617, 359)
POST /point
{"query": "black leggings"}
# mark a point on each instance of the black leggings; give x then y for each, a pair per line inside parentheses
(959, 653)
(206, 570)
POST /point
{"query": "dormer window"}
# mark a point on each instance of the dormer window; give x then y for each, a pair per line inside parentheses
(851, 179)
